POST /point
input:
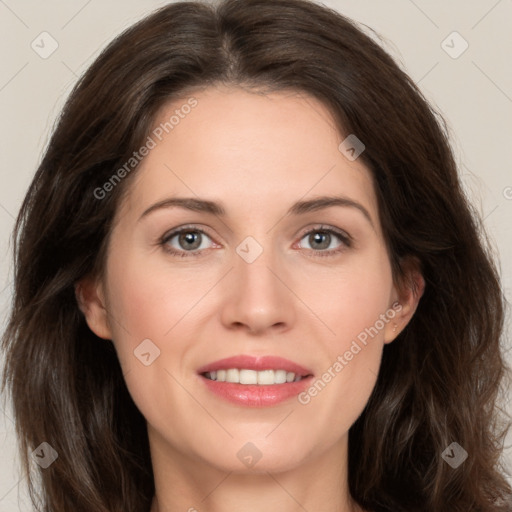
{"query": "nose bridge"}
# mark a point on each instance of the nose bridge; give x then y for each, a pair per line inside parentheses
(255, 260)
(256, 297)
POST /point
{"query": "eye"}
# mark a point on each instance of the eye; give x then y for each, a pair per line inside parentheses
(191, 241)
(185, 240)
(322, 238)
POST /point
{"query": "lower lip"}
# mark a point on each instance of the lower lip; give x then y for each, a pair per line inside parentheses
(254, 395)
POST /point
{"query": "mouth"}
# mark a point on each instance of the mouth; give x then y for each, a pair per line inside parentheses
(255, 381)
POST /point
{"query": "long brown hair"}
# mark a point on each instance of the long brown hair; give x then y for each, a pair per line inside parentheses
(440, 379)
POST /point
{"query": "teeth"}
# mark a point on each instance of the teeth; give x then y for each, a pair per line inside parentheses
(280, 376)
(243, 376)
(246, 377)
(232, 375)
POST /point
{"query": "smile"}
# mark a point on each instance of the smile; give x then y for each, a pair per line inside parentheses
(255, 380)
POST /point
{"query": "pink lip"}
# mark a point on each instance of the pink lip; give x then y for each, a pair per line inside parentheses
(252, 395)
(256, 363)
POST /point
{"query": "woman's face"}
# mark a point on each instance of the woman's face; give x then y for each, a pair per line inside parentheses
(279, 273)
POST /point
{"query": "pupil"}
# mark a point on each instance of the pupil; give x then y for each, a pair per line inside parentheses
(189, 239)
(318, 239)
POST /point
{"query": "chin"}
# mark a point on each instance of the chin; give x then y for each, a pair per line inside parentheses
(255, 457)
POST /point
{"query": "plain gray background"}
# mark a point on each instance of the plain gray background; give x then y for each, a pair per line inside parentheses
(467, 76)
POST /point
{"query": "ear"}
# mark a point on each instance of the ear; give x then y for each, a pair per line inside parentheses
(91, 301)
(406, 296)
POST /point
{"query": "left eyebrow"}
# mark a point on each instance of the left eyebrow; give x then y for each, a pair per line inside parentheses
(319, 203)
(298, 208)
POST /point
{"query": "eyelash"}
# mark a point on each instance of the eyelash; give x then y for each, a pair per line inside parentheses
(344, 238)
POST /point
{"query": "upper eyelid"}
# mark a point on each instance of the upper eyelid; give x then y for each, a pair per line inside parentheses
(331, 229)
(176, 231)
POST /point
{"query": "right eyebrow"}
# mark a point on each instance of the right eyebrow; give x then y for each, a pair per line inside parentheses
(189, 203)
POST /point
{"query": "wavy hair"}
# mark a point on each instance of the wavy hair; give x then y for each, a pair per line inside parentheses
(440, 380)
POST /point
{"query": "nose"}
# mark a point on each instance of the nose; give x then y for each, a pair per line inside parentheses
(258, 296)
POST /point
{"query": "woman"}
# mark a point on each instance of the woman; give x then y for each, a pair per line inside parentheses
(254, 369)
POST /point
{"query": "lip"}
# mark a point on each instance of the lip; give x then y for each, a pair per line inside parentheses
(253, 395)
(257, 363)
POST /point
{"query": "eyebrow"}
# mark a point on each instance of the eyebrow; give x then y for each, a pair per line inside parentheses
(298, 208)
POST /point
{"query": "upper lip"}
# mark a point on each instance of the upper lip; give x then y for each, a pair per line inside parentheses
(257, 363)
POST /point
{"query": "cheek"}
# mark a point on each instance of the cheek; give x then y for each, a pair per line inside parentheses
(152, 312)
(355, 305)
(137, 317)
(145, 307)
(149, 300)
(350, 299)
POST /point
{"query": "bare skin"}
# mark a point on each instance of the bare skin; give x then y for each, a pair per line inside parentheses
(256, 155)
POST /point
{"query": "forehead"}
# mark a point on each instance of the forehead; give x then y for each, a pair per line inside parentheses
(247, 149)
